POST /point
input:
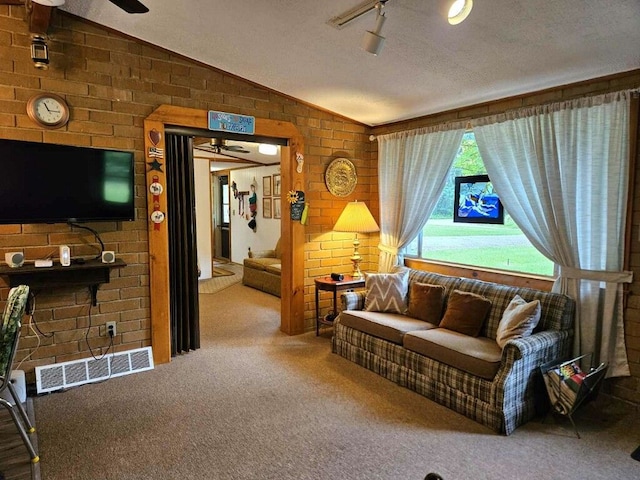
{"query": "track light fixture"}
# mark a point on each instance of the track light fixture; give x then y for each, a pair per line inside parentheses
(372, 41)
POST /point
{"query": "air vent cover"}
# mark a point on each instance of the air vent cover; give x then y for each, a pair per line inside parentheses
(78, 372)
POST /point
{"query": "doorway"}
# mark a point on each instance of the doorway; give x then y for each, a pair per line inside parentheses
(292, 233)
(224, 214)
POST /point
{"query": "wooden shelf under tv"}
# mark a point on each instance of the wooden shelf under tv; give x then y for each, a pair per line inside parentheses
(90, 273)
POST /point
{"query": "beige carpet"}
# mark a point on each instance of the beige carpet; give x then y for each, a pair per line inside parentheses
(253, 403)
(230, 274)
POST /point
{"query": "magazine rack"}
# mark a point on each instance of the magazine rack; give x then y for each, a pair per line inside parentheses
(569, 385)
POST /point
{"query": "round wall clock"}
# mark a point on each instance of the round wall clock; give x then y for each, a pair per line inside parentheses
(340, 177)
(48, 110)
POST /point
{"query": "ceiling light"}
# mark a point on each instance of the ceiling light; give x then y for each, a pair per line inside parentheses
(372, 41)
(460, 9)
(267, 149)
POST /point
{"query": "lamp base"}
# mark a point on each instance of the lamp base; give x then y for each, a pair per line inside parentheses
(356, 269)
(356, 258)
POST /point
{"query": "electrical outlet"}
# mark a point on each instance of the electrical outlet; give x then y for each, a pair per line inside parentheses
(111, 329)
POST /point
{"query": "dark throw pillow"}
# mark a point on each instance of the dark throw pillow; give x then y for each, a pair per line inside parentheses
(425, 302)
(465, 313)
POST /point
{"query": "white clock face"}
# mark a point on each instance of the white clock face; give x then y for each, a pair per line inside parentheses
(49, 110)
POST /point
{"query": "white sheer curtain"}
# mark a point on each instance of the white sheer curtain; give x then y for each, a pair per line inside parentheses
(562, 172)
(412, 170)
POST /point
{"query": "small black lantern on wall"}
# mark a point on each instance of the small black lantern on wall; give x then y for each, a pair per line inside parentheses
(39, 52)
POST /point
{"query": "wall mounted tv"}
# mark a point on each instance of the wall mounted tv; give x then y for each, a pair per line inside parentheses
(46, 183)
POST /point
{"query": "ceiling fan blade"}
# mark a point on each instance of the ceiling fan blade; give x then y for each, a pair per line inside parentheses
(236, 148)
(130, 6)
(239, 159)
(208, 148)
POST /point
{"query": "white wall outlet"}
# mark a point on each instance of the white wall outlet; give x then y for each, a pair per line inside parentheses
(111, 329)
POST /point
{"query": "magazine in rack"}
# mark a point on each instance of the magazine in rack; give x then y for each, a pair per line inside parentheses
(569, 384)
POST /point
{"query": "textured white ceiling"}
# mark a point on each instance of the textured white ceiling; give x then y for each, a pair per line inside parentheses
(504, 48)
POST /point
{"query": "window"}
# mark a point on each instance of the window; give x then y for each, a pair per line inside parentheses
(492, 246)
(224, 200)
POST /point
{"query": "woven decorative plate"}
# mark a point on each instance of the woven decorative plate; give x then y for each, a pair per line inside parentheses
(340, 177)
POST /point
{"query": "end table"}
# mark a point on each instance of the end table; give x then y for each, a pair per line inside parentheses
(329, 285)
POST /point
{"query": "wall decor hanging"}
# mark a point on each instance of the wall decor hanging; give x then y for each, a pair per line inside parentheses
(277, 208)
(300, 160)
(475, 201)
(266, 186)
(296, 199)
(266, 208)
(277, 185)
(340, 177)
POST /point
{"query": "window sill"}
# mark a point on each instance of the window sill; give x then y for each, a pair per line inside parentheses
(515, 279)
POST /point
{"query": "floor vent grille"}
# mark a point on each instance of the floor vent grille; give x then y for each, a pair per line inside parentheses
(79, 372)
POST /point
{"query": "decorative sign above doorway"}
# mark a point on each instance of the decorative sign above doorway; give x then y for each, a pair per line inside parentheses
(231, 122)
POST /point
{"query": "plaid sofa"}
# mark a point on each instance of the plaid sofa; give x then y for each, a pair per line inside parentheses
(502, 399)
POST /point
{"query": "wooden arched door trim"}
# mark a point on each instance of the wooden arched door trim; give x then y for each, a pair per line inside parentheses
(292, 233)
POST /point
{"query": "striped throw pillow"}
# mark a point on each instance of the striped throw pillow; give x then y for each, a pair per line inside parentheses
(386, 292)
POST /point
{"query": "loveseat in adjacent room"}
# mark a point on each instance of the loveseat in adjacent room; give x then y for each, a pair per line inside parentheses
(473, 346)
(262, 270)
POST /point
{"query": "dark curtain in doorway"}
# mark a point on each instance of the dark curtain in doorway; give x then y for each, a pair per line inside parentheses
(183, 261)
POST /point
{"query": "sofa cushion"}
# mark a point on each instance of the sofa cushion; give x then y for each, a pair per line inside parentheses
(261, 263)
(465, 313)
(479, 356)
(389, 326)
(386, 292)
(518, 320)
(275, 268)
(426, 301)
(278, 250)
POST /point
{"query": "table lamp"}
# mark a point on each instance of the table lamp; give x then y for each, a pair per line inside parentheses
(357, 218)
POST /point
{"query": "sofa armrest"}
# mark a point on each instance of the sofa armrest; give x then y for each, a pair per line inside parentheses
(353, 300)
(551, 340)
(521, 360)
(262, 254)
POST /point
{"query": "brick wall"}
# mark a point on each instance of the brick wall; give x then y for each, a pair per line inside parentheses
(112, 83)
(628, 388)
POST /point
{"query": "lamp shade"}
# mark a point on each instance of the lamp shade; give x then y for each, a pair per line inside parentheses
(356, 217)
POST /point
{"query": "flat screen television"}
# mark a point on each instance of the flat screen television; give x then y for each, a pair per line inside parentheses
(47, 183)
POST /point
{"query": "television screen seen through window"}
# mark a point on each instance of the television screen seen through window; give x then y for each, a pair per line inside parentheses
(47, 183)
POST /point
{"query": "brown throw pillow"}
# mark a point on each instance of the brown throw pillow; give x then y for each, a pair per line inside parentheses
(425, 302)
(465, 313)
(518, 320)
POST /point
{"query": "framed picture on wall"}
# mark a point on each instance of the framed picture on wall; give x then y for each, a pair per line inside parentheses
(476, 201)
(266, 186)
(277, 213)
(277, 185)
(266, 207)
